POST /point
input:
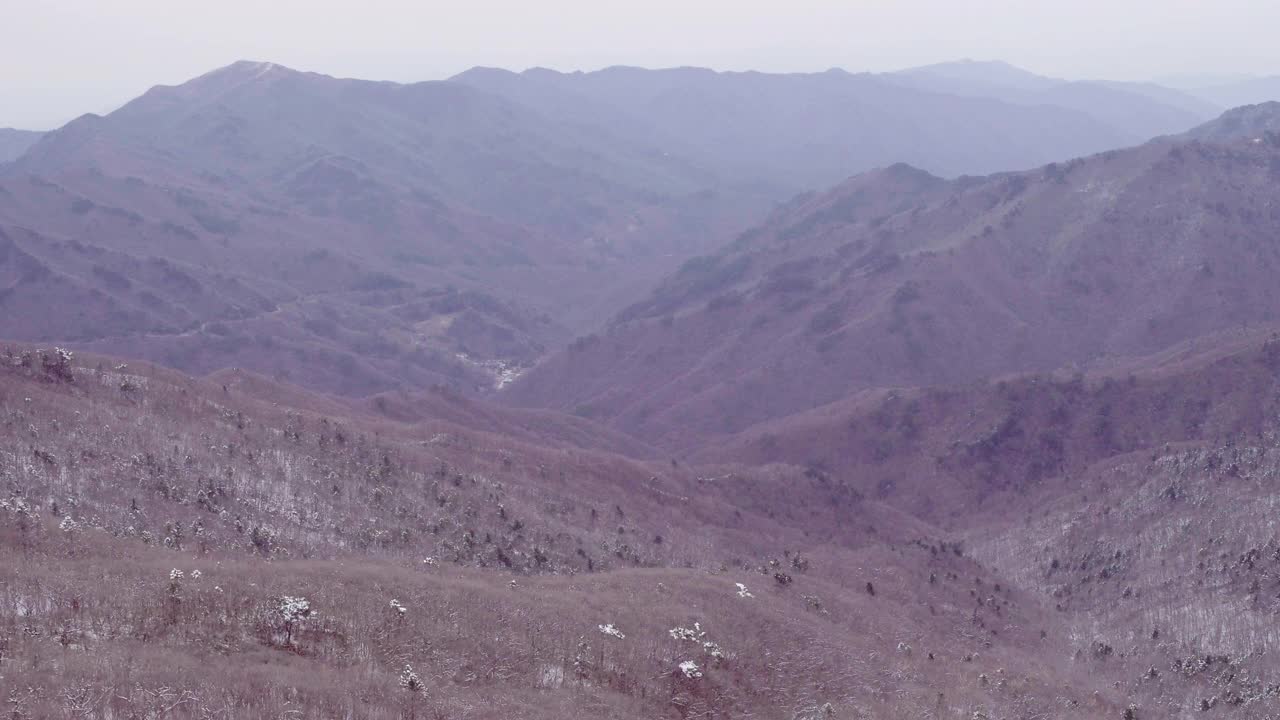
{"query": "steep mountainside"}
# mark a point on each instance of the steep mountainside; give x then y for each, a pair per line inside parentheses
(1250, 122)
(508, 559)
(956, 454)
(897, 278)
(359, 237)
(159, 534)
(356, 235)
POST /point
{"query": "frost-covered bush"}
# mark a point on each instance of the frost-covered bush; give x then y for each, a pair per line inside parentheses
(17, 505)
(825, 712)
(612, 631)
(712, 649)
(694, 634)
(697, 635)
(690, 669)
(292, 609)
(173, 593)
(291, 612)
(409, 680)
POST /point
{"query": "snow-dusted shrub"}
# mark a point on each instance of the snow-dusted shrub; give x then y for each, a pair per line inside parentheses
(697, 635)
(612, 631)
(18, 505)
(690, 669)
(409, 680)
(694, 634)
(290, 613)
(825, 712)
(174, 589)
(292, 609)
(712, 649)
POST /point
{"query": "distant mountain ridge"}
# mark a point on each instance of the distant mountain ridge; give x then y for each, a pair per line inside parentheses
(806, 131)
(13, 143)
(1140, 110)
(357, 236)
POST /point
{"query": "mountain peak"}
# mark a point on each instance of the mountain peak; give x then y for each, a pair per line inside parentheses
(250, 69)
(236, 74)
(208, 86)
(990, 72)
(482, 72)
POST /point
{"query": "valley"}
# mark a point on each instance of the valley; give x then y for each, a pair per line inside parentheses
(952, 392)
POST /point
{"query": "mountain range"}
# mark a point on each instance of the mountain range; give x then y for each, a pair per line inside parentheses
(1141, 110)
(946, 393)
(357, 236)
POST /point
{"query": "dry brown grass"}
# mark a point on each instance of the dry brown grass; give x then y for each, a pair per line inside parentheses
(881, 615)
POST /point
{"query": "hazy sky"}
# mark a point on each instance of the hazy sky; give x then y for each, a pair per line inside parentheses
(61, 58)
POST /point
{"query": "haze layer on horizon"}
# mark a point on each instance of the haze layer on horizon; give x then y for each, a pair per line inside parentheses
(62, 58)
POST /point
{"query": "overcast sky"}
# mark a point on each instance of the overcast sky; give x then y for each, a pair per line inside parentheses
(61, 58)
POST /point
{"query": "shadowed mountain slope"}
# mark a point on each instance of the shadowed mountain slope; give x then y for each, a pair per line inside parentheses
(360, 235)
(897, 278)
